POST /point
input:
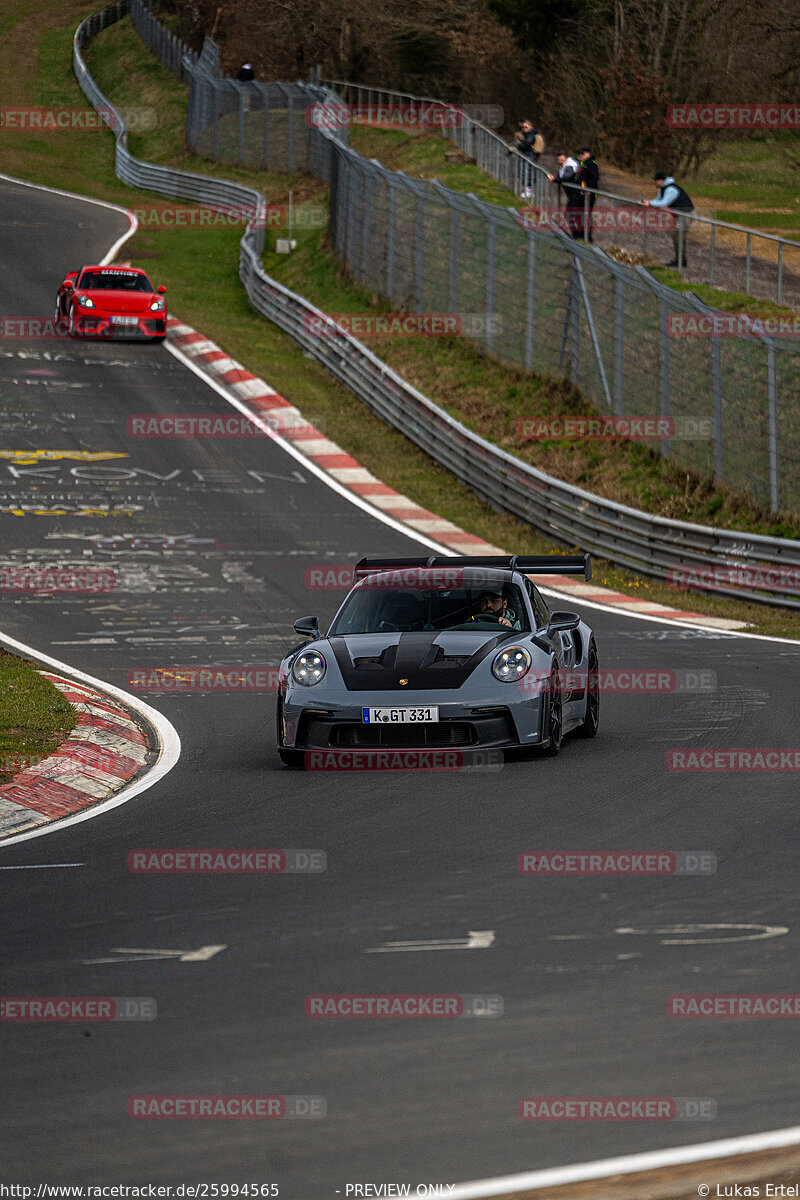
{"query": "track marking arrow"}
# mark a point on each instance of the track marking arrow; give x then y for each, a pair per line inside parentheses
(201, 954)
(755, 933)
(475, 940)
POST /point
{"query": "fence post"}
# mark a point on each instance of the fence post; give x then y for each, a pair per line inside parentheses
(575, 325)
(420, 253)
(265, 130)
(241, 98)
(571, 327)
(665, 405)
(333, 201)
(780, 272)
(530, 308)
(366, 221)
(454, 216)
(490, 266)
(290, 132)
(215, 148)
(772, 425)
(619, 348)
(716, 395)
(390, 238)
(747, 268)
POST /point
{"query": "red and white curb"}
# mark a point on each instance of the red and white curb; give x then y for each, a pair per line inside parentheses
(105, 750)
(287, 421)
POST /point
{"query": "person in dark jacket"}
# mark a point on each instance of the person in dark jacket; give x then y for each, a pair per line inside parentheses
(672, 196)
(588, 179)
(247, 75)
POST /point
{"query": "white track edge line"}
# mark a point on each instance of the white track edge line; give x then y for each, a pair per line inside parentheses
(308, 463)
(134, 224)
(169, 748)
(353, 497)
(414, 535)
(628, 1164)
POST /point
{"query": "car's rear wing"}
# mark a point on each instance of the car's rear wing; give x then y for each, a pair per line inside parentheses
(528, 564)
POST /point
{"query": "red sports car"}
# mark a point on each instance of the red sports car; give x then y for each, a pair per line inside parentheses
(112, 302)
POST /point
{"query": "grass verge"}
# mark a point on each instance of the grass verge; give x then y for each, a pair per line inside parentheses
(34, 716)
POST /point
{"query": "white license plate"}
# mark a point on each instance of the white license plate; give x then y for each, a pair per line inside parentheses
(399, 716)
(124, 320)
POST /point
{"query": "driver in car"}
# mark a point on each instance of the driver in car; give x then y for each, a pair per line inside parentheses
(492, 603)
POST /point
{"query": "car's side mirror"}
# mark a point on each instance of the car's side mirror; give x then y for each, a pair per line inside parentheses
(562, 622)
(161, 289)
(307, 627)
(68, 285)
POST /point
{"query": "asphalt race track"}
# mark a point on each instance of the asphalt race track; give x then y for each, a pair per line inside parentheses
(210, 540)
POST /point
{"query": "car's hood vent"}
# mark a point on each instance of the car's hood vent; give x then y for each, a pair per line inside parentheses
(429, 660)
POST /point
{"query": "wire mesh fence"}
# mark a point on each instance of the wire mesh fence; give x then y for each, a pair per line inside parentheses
(734, 257)
(747, 565)
(524, 291)
(634, 347)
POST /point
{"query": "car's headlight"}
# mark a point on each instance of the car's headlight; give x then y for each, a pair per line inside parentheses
(157, 305)
(511, 664)
(308, 668)
(86, 301)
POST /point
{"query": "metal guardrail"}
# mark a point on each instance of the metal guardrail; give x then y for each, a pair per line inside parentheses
(516, 172)
(623, 340)
(649, 544)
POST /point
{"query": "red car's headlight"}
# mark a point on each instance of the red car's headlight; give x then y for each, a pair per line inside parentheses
(86, 301)
(157, 305)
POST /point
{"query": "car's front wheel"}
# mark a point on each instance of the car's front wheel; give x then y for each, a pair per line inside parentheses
(554, 717)
(591, 721)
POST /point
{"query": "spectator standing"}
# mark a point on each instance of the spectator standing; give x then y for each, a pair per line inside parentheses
(530, 144)
(673, 197)
(246, 75)
(568, 168)
(587, 178)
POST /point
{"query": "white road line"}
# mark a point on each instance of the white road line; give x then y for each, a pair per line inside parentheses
(627, 1164)
(480, 940)
(41, 866)
(307, 463)
(168, 754)
(171, 752)
(418, 536)
(759, 932)
(111, 254)
(201, 954)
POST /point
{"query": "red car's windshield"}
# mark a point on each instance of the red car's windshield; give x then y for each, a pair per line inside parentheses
(120, 281)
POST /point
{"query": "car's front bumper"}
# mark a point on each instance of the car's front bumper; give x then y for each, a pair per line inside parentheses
(101, 326)
(306, 726)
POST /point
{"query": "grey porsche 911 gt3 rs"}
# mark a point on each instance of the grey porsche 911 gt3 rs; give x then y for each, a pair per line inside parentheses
(431, 653)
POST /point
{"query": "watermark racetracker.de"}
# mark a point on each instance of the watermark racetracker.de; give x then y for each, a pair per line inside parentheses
(223, 861)
(78, 1008)
(617, 1108)
(545, 863)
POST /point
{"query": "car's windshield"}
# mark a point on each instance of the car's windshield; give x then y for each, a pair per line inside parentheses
(414, 610)
(122, 281)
